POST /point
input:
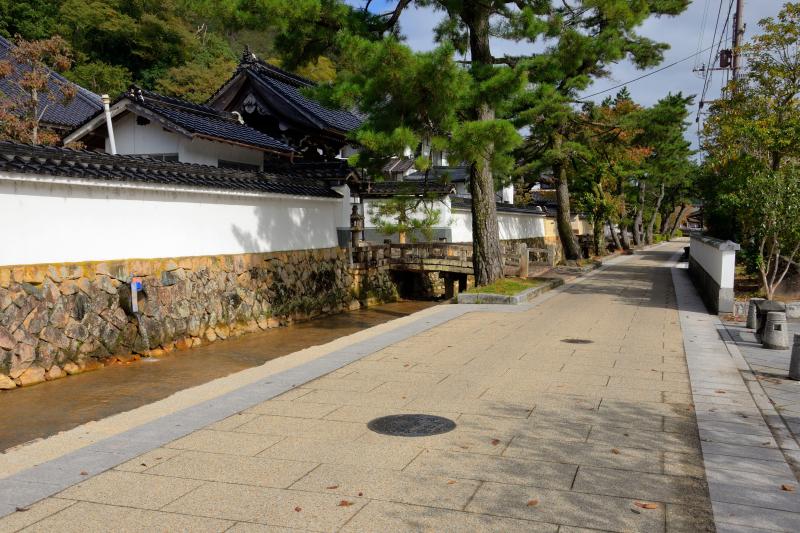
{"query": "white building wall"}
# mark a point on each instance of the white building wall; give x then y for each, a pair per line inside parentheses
(152, 138)
(45, 222)
(511, 225)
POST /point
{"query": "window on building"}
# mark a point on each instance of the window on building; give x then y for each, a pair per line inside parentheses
(235, 165)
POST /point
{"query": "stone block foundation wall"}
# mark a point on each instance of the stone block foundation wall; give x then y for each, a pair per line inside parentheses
(63, 319)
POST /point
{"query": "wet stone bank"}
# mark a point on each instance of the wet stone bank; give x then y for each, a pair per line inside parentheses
(57, 320)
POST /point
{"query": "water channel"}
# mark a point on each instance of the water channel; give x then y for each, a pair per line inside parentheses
(48, 408)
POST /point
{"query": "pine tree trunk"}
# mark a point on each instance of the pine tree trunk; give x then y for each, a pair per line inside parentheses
(614, 236)
(599, 237)
(651, 226)
(487, 256)
(667, 218)
(564, 216)
(678, 218)
(637, 221)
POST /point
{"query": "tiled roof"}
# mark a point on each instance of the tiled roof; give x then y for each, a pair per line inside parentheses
(455, 174)
(289, 87)
(63, 162)
(398, 164)
(386, 189)
(458, 202)
(82, 106)
(204, 121)
(337, 170)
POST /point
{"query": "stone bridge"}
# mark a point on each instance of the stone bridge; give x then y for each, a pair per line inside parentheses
(453, 261)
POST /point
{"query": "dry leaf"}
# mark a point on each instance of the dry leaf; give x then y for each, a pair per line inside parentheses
(533, 503)
(22, 509)
(142, 464)
(787, 487)
(84, 473)
(360, 493)
(646, 505)
(615, 451)
(495, 442)
(405, 365)
(719, 391)
(332, 487)
(298, 509)
(345, 503)
(451, 482)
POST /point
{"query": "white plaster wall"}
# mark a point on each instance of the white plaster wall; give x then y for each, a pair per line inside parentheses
(57, 222)
(720, 265)
(510, 225)
(369, 206)
(132, 139)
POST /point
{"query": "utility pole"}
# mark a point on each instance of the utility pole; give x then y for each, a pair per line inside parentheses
(738, 35)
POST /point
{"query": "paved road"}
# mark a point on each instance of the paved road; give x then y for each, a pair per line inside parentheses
(551, 435)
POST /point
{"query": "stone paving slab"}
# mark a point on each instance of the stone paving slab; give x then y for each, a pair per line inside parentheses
(533, 457)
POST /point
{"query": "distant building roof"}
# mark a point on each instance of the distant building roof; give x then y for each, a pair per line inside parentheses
(328, 171)
(388, 189)
(453, 174)
(102, 167)
(192, 120)
(398, 164)
(458, 202)
(82, 106)
(277, 84)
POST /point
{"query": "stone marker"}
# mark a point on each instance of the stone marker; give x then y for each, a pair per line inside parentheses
(752, 313)
(775, 335)
(794, 362)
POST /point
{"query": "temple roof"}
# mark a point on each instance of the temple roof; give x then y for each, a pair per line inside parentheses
(82, 106)
(275, 83)
(192, 120)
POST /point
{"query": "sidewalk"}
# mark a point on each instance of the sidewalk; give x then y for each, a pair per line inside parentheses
(552, 434)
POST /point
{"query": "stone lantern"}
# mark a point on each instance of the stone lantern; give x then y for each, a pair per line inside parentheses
(356, 226)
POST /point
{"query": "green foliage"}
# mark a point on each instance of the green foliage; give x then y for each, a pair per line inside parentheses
(407, 215)
(752, 138)
(100, 77)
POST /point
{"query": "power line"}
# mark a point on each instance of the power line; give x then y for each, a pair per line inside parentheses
(650, 73)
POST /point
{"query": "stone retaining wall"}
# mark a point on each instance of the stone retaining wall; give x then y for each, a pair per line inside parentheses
(66, 318)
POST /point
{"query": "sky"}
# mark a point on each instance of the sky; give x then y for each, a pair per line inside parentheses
(685, 34)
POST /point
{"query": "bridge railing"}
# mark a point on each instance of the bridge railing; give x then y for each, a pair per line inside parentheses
(395, 253)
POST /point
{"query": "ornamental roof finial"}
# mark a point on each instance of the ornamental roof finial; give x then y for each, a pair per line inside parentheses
(247, 55)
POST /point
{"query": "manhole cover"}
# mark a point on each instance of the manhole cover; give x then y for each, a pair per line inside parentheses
(577, 341)
(411, 425)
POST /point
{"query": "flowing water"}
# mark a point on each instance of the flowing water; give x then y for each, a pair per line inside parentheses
(43, 410)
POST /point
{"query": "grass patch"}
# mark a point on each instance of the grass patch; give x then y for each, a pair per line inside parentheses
(506, 286)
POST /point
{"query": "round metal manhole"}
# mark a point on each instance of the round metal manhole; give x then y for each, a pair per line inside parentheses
(414, 425)
(577, 341)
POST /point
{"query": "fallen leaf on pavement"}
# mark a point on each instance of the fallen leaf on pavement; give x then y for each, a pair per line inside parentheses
(22, 509)
(787, 487)
(720, 391)
(84, 473)
(451, 482)
(533, 503)
(360, 493)
(615, 451)
(646, 505)
(345, 503)
(332, 487)
(495, 442)
(298, 509)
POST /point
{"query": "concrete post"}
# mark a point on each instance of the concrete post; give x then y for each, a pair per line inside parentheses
(752, 312)
(775, 336)
(794, 362)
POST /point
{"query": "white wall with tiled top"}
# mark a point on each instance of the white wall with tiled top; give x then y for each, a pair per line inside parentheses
(46, 219)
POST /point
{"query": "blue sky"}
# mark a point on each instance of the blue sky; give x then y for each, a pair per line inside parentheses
(682, 33)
